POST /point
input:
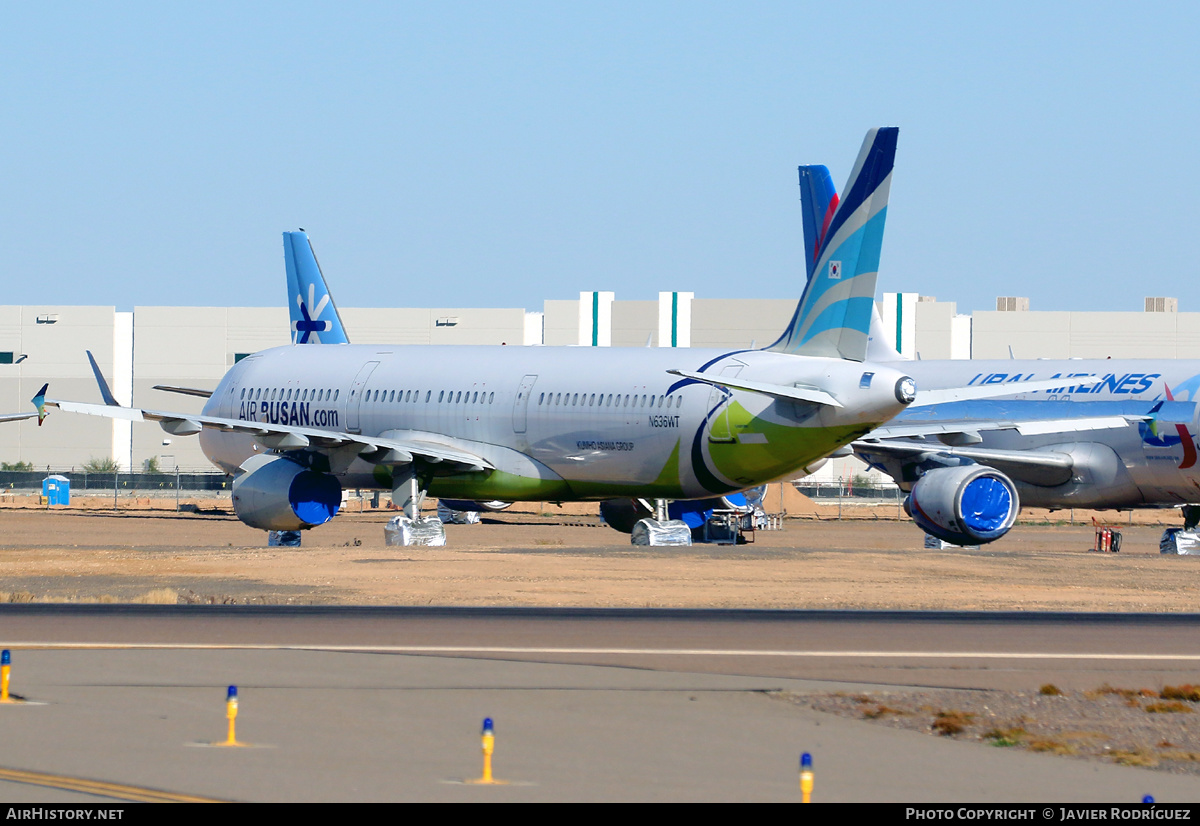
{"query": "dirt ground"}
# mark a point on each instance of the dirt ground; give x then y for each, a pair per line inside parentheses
(543, 555)
(1151, 727)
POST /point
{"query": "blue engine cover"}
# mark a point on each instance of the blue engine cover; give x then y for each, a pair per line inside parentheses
(967, 505)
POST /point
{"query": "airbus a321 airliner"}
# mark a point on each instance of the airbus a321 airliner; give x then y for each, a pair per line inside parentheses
(296, 425)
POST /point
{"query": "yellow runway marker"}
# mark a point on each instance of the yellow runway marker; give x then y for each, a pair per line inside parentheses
(489, 746)
(231, 709)
(231, 712)
(6, 697)
(230, 741)
(101, 788)
(5, 668)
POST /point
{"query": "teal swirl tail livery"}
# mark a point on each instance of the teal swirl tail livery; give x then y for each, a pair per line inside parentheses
(833, 318)
(314, 316)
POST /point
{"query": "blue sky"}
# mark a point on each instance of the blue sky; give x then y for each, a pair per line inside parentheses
(498, 154)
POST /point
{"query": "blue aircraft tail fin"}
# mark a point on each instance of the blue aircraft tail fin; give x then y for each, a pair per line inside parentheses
(833, 318)
(818, 202)
(315, 318)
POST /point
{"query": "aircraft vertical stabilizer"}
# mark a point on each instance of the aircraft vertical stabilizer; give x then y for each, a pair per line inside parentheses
(833, 318)
(315, 318)
(818, 202)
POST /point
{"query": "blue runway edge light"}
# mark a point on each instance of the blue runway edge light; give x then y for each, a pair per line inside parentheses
(5, 657)
(487, 725)
(231, 694)
(805, 761)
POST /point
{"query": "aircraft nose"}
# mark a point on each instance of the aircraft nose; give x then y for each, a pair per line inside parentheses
(906, 390)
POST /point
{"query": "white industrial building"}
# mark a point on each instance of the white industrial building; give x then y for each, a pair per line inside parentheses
(194, 346)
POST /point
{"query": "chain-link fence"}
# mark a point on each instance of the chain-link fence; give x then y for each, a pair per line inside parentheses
(848, 491)
(122, 481)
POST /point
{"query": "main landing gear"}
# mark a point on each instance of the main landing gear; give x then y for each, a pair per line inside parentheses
(410, 528)
(1185, 540)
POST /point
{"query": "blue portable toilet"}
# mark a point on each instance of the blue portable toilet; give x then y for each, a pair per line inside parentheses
(57, 490)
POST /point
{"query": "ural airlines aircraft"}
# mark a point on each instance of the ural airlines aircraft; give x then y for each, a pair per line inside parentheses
(1124, 439)
(297, 424)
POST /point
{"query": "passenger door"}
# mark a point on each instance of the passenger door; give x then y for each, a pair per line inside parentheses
(353, 404)
(521, 404)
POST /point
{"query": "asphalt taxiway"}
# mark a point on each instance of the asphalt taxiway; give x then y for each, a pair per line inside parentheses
(345, 704)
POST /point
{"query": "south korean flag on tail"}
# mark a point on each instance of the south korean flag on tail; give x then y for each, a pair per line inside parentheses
(835, 270)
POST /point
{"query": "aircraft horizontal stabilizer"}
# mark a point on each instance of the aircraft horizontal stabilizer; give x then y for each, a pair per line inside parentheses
(186, 391)
(779, 391)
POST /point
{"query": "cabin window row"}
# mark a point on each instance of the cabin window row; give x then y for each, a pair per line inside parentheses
(448, 396)
(611, 400)
(271, 394)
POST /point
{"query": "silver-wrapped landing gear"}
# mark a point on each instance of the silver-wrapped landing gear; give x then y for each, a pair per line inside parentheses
(410, 528)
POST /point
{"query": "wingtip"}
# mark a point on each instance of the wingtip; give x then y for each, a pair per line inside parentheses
(39, 401)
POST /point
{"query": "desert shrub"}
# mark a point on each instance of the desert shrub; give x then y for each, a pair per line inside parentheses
(1190, 693)
(1009, 736)
(947, 723)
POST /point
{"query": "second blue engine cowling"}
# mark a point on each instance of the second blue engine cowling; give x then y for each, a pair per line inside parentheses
(965, 505)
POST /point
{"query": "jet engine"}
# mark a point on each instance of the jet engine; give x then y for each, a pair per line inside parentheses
(470, 505)
(276, 494)
(623, 514)
(965, 505)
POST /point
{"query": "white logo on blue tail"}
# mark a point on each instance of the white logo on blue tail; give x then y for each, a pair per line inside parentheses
(308, 328)
(314, 320)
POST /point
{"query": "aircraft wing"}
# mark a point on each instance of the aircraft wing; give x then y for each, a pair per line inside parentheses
(396, 448)
(991, 391)
(1038, 467)
(1026, 427)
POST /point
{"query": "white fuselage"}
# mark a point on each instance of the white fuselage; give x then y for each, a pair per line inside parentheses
(559, 423)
